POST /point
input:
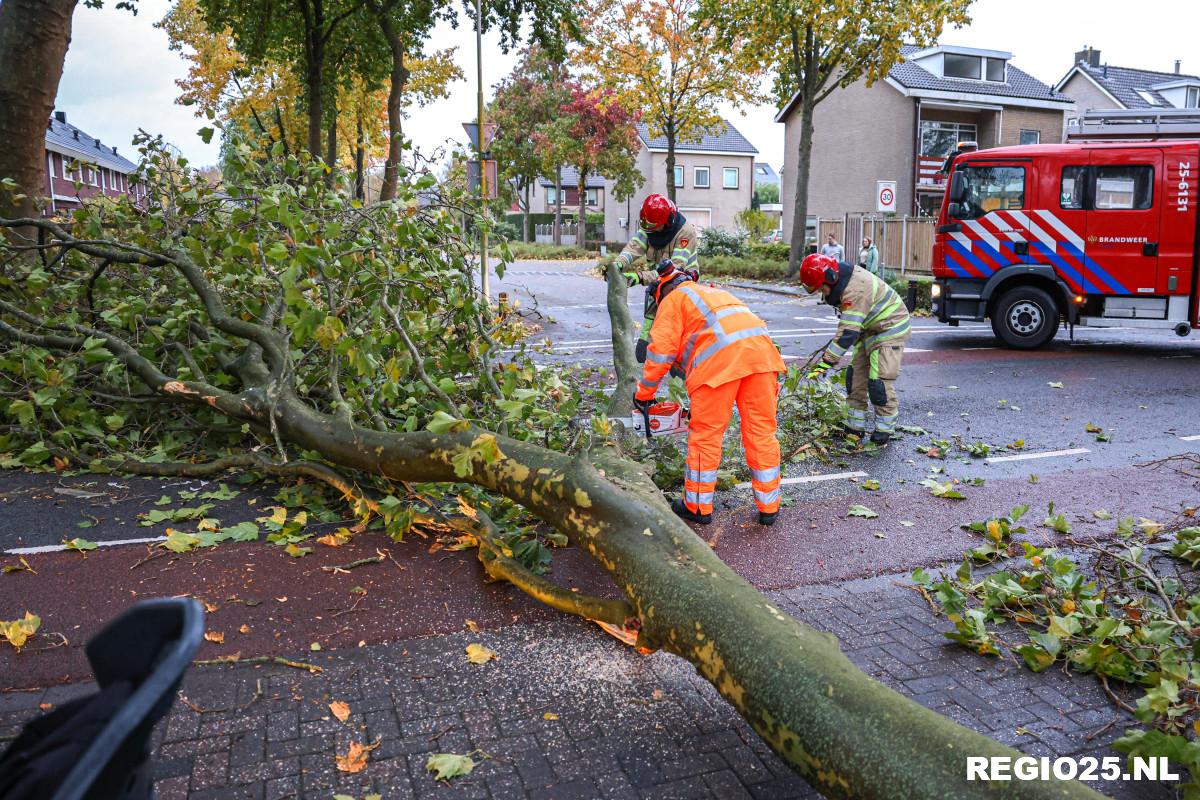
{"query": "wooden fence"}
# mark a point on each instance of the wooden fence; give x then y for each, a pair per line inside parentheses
(905, 243)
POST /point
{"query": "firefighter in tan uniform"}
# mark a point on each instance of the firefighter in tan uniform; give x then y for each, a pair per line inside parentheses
(876, 324)
(668, 242)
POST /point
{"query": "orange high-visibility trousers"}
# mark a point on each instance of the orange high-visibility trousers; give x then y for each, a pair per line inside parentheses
(712, 408)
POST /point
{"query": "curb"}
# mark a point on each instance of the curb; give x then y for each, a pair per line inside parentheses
(768, 287)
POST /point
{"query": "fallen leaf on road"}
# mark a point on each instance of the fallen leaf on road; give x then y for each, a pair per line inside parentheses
(880, 536)
(870, 485)
(18, 631)
(215, 636)
(80, 545)
(449, 765)
(861, 511)
(179, 542)
(315, 646)
(1092, 427)
(244, 629)
(1019, 444)
(472, 626)
(1055, 384)
(1100, 513)
(355, 760)
(906, 523)
(478, 654)
(296, 551)
(24, 566)
(946, 489)
(550, 715)
(340, 710)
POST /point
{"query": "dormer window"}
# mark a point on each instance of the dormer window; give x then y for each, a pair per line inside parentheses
(958, 65)
(1149, 98)
(1193, 97)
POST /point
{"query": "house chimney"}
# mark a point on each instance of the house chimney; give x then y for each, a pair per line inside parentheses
(98, 145)
(61, 116)
(1177, 66)
(76, 133)
(1088, 56)
(114, 151)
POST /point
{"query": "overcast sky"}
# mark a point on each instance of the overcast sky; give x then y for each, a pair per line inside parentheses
(120, 76)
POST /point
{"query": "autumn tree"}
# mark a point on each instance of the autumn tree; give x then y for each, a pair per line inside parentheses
(603, 142)
(667, 62)
(526, 103)
(815, 47)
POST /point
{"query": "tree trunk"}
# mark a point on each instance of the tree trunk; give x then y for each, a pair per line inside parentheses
(525, 228)
(314, 77)
(399, 78)
(360, 161)
(331, 143)
(671, 160)
(628, 371)
(581, 226)
(558, 206)
(800, 208)
(34, 36)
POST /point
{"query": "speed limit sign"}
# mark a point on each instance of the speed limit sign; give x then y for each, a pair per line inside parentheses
(885, 196)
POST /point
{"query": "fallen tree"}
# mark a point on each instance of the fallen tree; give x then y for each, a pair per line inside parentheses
(278, 322)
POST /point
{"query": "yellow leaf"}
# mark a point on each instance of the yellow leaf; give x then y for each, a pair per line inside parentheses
(550, 715)
(279, 516)
(478, 654)
(355, 760)
(244, 629)
(340, 710)
(18, 631)
(215, 636)
(472, 626)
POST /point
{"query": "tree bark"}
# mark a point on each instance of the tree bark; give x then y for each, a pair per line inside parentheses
(581, 226)
(525, 227)
(558, 205)
(399, 78)
(331, 143)
(34, 37)
(671, 160)
(620, 403)
(360, 160)
(800, 209)
(314, 51)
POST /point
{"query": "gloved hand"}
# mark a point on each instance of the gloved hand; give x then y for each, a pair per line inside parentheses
(823, 366)
(632, 278)
(639, 352)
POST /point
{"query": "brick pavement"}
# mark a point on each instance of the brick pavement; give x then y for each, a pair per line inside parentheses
(627, 726)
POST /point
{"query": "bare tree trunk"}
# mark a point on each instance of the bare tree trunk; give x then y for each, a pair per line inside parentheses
(331, 143)
(359, 161)
(800, 206)
(671, 160)
(399, 78)
(525, 231)
(581, 225)
(558, 205)
(34, 36)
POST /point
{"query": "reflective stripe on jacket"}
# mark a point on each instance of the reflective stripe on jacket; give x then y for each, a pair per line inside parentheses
(870, 308)
(711, 335)
(681, 250)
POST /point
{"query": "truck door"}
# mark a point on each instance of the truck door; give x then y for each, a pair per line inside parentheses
(1177, 234)
(1123, 221)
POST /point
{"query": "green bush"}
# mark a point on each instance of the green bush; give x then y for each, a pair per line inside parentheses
(719, 242)
(775, 251)
(735, 267)
(531, 251)
(924, 286)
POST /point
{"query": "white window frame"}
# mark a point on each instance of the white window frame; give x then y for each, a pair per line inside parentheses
(552, 195)
(737, 177)
(1003, 70)
(1192, 98)
(680, 176)
(1037, 135)
(592, 194)
(696, 184)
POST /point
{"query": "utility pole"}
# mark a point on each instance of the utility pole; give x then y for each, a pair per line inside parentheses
(481, 154)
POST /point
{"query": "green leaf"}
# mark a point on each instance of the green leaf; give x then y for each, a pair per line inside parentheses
(1100, 513)
(449, 765)
(861, 511)
(296, 551)
(80, 545)
(444, 423)
(241, 532)
(870, 485)
(946, 489)
(206, 134)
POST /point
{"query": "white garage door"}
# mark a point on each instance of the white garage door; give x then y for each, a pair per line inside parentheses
(700, 217)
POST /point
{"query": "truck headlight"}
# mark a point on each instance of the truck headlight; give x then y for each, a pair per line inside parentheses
(936, 290)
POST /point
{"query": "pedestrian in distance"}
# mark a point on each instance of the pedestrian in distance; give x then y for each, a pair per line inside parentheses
(875, 323)
(832, 249)
(868, 256)
(727, 358)
(668, 242)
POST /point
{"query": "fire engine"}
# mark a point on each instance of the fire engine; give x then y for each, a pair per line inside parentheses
(1097, 234)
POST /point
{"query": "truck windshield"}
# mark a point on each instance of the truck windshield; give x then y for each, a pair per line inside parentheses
(990, 189)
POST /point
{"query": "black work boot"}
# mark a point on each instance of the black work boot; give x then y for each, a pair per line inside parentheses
(767, 518)
(683, 511)
(881, 438)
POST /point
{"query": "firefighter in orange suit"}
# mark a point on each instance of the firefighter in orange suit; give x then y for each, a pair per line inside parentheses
(727, 357)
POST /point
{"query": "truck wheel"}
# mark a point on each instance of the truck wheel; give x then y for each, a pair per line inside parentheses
(1025, 318)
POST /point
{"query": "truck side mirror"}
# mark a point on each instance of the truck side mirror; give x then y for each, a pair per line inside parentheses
(958, 187)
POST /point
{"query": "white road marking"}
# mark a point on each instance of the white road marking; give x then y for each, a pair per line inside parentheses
(1076, 451)
(814, 478)
(58, 548)
(977, 348)
(1190, 438)
(825, 320)
(916, 350)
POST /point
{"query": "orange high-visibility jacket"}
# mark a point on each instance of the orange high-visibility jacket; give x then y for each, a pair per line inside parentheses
(709, 333)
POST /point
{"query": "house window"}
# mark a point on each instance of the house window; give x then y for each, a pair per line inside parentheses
(1071, 191)
(678, 177)
(960, 66)
(939, 139)
(730, 179)
(1031, 137)
(593, 197)
(551, 195)
(700, 178)
(1193, 97)
(1124, 187)
(995, 69)
(991, 189)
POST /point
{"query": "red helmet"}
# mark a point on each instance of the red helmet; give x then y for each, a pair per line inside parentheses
(818, 269)
(657, 211)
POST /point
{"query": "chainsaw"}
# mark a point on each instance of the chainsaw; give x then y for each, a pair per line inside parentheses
(660, 419)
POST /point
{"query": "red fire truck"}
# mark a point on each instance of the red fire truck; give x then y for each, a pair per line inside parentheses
(1098, 234)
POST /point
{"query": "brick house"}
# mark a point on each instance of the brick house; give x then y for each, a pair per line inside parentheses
(1124, 103)
(72, 155)
(901, 128)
